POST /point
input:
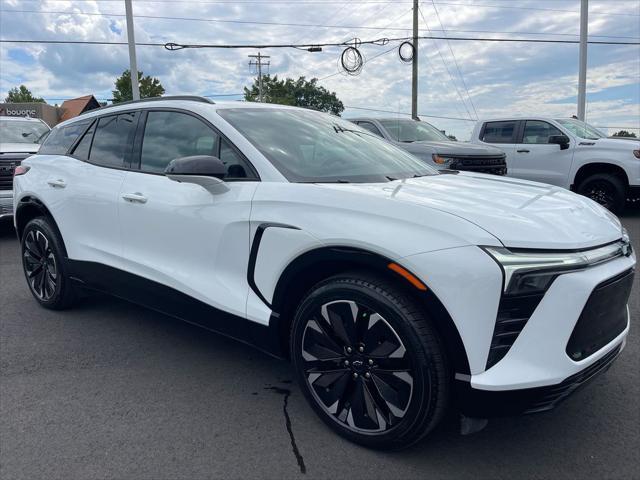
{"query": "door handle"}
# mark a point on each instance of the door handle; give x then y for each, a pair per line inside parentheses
(135, 197)
(522, 151)
(59, 183)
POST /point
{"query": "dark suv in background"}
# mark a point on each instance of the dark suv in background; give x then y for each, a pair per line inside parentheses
(426, 142)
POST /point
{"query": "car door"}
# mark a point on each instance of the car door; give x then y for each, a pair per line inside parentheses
(502, 134)
(88, 179)
(538, 160)
(179, 234)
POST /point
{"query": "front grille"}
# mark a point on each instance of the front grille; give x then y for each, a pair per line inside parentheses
(603, 318)
(549, 397)
(496, 165)
(513, 313)
(8, 163)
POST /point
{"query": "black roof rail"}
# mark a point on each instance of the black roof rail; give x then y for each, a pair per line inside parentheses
(193, 98)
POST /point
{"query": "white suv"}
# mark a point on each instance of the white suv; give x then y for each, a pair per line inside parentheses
(394, 289)
(567, 153)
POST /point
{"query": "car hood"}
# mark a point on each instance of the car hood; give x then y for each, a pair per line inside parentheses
(19, 147)
(459, 148)
(626, 144)
(519, 213)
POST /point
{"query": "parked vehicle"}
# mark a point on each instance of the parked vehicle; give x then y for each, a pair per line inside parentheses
(567, 153)
(396, 290)
(19, 138)
(429, 144)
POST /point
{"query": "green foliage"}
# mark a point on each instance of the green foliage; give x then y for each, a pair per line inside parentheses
(300, 92)
(149, 87)
(22, 94)
(624, 133)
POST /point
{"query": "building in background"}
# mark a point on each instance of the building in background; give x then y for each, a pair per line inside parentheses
(52, 115)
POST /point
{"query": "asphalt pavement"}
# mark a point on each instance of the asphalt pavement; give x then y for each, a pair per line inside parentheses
(112, 390)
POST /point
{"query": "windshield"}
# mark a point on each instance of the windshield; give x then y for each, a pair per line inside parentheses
(308, 146)
(581, 129)
(19, 131)
(413, 131)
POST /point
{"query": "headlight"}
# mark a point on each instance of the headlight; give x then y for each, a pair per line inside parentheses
(532, 272)
(441, 160)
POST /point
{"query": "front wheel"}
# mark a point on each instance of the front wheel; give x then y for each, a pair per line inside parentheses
(369, 362)
(606, 189)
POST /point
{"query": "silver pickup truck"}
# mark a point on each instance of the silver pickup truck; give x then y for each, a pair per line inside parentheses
(426, 142)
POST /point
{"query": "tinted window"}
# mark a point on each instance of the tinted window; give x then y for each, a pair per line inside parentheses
(371, 127)
(413, 131)
(22, 131)
(84, 145)
(236, 167)
(113, 140)
(170, 135)
(499, 132)
(537, 131)
(308, 146)
(61, 138)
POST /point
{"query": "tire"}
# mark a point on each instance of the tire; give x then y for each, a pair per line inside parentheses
(396, 368)
(43, 263)
(606, 189)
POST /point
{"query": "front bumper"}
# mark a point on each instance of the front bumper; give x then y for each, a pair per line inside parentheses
(6, 203)
(536, 373)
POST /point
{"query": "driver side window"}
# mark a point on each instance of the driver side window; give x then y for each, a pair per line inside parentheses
(538, 132)
(169, 135)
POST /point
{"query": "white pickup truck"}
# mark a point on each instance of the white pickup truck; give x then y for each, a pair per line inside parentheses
(567, 153)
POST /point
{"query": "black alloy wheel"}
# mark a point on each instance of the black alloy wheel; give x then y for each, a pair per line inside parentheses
(43, 262)
(40, 265)
(369, 362)
(605, 189)
(356, 366)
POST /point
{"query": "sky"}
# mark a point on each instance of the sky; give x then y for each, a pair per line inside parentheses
(462, 80)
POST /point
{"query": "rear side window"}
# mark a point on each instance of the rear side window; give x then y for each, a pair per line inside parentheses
(170, 135)
(113, 140)
(538, 131)
(61, 138)
(499, 132)
(84, 145)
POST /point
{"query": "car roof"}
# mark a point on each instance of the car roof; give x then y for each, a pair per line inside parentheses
(177, 101)
(20, 119)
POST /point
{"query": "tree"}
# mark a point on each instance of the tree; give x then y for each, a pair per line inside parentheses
(149, 87)
(22, 95)
(624, 133)
(300, 92)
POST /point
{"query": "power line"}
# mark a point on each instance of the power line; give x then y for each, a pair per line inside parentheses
(289, 24)
(380, 41)
(541, 9)
(455, 62)
(455, 85)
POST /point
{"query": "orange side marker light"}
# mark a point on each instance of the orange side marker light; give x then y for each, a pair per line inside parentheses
(407, 275)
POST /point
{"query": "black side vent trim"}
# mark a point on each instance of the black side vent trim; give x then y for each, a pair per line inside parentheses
(513, 314)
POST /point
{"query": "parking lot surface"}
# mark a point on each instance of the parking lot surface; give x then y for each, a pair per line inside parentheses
(112, 390)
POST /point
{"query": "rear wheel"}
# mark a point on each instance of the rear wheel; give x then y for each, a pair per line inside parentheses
(606, 189)
(44, 267)
(369, 362)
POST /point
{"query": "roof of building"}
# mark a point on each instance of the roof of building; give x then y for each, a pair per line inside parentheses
(75, 106)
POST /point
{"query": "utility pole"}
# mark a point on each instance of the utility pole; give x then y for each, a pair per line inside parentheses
(582, 74)
(414, 64)
(258, 63)
(133, 64)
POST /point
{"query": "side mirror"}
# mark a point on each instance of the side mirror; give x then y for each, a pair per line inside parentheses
(204, 170)
(561, 140)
